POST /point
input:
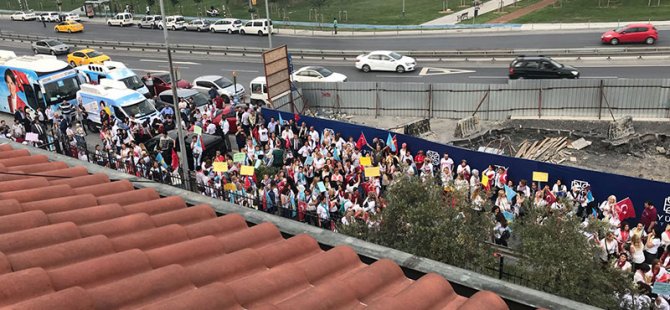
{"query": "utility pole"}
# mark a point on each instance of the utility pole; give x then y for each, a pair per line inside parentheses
(175, 102)
(403, 8)
(267, 15)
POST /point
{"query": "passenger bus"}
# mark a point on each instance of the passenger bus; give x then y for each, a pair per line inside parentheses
(39, 81)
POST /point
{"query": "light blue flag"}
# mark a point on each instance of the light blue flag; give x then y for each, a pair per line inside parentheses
(509, 216)
(161, 161)
(308, 160)
(336, 154)
(389, 142)
(253, 141)
(589, 197)
(281, 120)
(509, 192)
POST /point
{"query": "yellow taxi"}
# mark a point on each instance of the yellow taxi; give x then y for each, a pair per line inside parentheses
(85, 57)
(69, 27)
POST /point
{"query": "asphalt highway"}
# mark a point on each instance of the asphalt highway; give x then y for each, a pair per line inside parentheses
(503, 40)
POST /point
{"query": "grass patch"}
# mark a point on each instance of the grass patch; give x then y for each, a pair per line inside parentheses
(376, 12)
(574, 11)
(487, 17)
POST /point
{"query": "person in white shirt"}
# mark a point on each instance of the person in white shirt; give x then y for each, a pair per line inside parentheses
(263, 134)
(210, 129)
(661, 304)
(463, 169)
(623, 264)
(651, 247)
(446, 162)
(314, 134)
(608, 247)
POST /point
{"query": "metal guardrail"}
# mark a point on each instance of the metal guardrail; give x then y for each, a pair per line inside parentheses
(348, 55)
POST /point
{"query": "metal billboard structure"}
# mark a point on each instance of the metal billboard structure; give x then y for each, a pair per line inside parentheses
(277, 73)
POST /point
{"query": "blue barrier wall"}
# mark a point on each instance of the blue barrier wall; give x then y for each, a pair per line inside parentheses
(602, 184)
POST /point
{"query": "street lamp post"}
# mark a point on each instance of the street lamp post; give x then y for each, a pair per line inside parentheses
(403, 8)
(175, 103)
(267, 15)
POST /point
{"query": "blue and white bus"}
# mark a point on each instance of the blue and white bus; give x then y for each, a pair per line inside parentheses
(39, 81)
(115, 71)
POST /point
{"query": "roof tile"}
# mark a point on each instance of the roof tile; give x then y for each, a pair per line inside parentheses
(70, 240)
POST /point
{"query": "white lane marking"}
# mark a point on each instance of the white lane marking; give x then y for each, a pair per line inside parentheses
(174, 62)
(441, 71)
(248, 71)
(598, 77)
(176, 67)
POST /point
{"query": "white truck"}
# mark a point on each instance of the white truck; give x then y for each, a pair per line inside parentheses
(259, 94)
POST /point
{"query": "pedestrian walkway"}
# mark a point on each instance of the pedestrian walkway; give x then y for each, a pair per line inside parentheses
(522, 12)
(485, 7)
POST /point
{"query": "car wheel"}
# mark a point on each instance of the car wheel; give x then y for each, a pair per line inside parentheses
(23, 18)
(35, 51)
(174, 28)
(52, 53)
(400, 69)
(614, 41)
(230, 31)
(69, 31)
(73, 64)
(260, 33)
(109, 24)
(12, 18)
(650, 41)
(160, 27)
(242, 32)
(366, 68)
(91, 126)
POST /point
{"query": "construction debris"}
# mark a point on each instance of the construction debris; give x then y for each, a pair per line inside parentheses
(660, 149)
(490, 150)
(579, 144)
(620, 131)
(550, 150)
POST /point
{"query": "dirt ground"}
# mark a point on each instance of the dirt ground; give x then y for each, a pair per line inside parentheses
(640, 157)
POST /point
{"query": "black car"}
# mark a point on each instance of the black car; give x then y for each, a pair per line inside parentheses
(540, 67)
(212, 144)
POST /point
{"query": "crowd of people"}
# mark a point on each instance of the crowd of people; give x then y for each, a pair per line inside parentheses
(288, 168)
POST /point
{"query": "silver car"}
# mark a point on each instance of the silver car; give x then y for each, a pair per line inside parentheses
(50, 46)
(223, 85)
(197, 25)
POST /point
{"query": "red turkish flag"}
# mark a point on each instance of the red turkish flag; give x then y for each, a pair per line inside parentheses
(361, 142)
(550, 198)
(626, 209)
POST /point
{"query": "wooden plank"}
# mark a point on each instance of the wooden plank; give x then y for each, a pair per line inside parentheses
(523, 155)
(522, 148)
(542, 147)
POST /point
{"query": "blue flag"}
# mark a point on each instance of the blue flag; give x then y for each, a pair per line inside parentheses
(281, 120)
(509, 216)
(161, 161)
(589, 197)
(509, 192)
(389, 142)
(253, 140)
(336, 155)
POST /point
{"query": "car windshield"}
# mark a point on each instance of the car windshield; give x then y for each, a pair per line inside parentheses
(199, 99)
(395, 55)
(620, 29)
(164, 77)
(56, 91)
(557, 65)
(139, 109)
(223, 82)
(54, 43)
(93, 54)
(133, 82)
(323, 71)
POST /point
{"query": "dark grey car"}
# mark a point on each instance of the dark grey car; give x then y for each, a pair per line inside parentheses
(197, 25)
(50, 46)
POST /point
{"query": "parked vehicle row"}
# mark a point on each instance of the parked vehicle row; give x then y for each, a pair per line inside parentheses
(177, 22)
(45, 16)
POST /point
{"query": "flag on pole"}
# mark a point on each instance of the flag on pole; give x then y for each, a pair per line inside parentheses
(485, 182)
(550, 198)
(391, 143)
(161, 161)
(589, 197)
(626, 209)
(281, 120)
(361, 142)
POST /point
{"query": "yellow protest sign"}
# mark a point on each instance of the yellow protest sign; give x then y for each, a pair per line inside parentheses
(106, 108)
(230, 187)
(220, 166)
(197, 130)
(372, 172)
(540, 176)
(485, 180)
(366, 161)
(247, 170)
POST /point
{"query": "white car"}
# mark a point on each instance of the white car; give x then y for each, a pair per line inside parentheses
(228, 25)
(149, 21)
(223, 85)
(72, 17)
(49, 17)
(385, 61)
(174, 22)
(121, 19)
(257, 26)
(23, 16)
(317, 74)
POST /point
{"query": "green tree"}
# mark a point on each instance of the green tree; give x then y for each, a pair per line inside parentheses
(151, 2)
(421, 219)
(174, 3)
(318, 3)
(562, 261)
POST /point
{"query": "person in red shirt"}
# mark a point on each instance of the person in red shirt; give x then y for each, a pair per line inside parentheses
(419, 159)
(218, 102)
(649, 216)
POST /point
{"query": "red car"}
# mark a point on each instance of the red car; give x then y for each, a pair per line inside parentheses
(633, 33)
(162, 82)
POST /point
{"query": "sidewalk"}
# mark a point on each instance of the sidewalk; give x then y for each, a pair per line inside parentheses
(488, 6)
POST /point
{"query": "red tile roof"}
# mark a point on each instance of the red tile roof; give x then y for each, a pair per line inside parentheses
(85, 242)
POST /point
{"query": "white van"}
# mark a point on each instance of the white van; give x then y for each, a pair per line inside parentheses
(174, 22)
(119, 101)
(228, 25)
(257, 26)
(121, 19)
